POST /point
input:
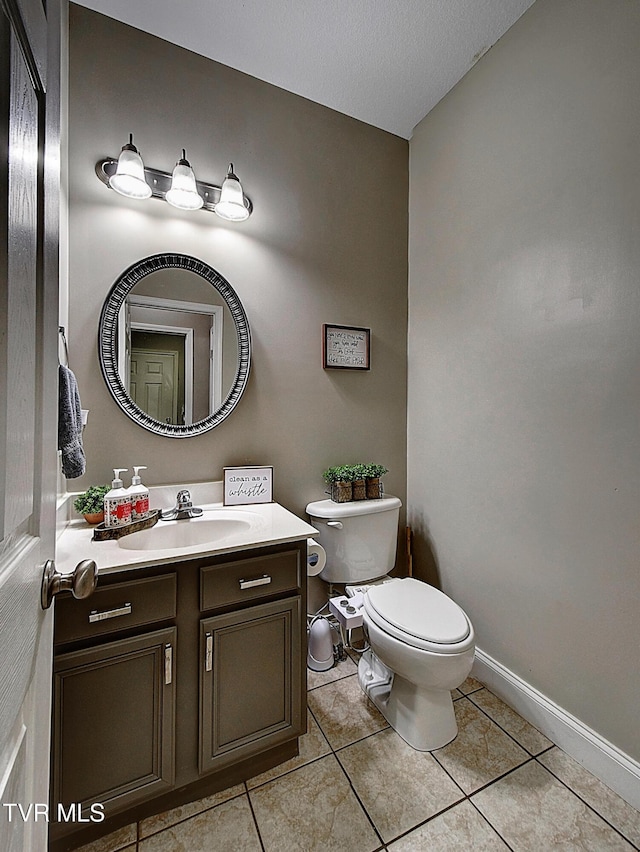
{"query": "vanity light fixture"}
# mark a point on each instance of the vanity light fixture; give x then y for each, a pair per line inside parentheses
(184, 193)
(231, 204)
(129, 176)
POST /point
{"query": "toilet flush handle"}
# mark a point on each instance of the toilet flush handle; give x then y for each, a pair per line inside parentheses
(336, 524)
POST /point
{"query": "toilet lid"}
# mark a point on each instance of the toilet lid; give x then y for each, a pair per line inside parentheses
(419, 610)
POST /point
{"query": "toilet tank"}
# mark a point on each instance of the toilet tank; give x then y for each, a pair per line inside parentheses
(360, 537)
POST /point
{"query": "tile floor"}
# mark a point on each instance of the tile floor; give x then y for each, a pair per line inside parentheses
(356, 786)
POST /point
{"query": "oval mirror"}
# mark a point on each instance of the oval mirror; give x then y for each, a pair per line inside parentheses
(174, 345)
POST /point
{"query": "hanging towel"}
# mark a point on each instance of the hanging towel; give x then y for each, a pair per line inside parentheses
(70, 424)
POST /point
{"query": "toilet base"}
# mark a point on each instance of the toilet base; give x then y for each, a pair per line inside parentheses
(424, 718)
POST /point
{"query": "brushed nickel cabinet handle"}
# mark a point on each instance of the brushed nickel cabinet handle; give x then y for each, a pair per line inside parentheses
(259, 581)
(168, 664)
(208, 653)
(94, 616)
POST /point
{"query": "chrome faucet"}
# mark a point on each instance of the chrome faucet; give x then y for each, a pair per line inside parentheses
(183, 510)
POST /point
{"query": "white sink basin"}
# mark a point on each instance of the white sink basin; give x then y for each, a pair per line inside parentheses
(196, 532)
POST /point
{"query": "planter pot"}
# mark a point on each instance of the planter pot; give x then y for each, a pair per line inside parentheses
(374, 488)
(359, 489)
(341, 492)
(95, 518)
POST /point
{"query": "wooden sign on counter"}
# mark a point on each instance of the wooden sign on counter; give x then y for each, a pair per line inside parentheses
(244, 485)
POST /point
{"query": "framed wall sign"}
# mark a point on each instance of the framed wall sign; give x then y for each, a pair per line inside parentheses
(243, 485)
(345, 347)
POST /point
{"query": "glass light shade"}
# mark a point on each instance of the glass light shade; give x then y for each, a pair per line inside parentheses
(129, 177)
(184, 193)
(231, 205)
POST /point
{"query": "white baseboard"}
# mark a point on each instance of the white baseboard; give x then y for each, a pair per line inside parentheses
(615, 768)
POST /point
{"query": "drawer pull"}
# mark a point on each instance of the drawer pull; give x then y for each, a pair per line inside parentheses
(208, 653)
(259, 581)
(168, 664)
(109, 613)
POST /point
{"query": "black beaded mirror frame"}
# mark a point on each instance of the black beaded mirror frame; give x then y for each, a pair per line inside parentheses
(108, 342)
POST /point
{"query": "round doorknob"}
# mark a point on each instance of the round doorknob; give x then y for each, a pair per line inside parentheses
(81, 583)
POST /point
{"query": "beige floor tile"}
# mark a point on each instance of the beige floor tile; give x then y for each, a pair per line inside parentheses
(470, 685)
(312, 809)
(533, 811)
(524, 733)
(343, 669)
(398, 786)
(455, 693)
(312, 745)
(461, 828)
(595, 793)
(344, 713)
(481, 752)
(229, 826)
(158, 822)
(114, 842)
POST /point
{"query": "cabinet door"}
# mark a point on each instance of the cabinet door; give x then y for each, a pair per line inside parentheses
(251, 671)
(113, 725)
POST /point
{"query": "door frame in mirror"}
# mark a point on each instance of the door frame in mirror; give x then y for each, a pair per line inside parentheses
(215, 312)
(108, 342)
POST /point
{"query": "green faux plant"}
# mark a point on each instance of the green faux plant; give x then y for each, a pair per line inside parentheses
(92, 501)
(338, 473)
(365, 479)
(373, 471)
(352, 472)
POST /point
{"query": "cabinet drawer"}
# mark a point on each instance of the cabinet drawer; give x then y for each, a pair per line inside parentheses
(248, 579)
(118, 607)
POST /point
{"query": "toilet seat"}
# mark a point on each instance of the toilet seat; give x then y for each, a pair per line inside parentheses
(419, 615)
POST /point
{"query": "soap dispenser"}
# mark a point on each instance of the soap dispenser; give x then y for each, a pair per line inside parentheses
(117, 502)
(139, 494)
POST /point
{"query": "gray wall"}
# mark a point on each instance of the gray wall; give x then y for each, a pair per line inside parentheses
(524, 354)
(327, 243)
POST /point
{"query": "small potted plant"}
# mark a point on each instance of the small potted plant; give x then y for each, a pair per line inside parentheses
(91, 504)
(339, 478)
(373, 472)
(358, 474)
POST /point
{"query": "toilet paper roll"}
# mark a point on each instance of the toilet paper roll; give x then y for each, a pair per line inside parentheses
(316, 557)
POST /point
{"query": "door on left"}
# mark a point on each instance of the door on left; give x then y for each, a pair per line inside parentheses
(29, 205)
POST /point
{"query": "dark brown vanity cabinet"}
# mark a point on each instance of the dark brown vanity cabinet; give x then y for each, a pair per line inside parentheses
(114, 701)
(174, 681)
(251, 662)
(95, 690)
(250, 692)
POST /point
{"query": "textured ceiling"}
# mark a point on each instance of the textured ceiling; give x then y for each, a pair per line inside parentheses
(385, 62)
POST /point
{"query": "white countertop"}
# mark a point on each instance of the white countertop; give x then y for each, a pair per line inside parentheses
(270, 524)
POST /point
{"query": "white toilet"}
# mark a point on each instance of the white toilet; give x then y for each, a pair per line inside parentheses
(422, 643)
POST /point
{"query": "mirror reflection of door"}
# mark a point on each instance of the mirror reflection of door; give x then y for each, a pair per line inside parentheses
(157, 383)
(202, 376)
